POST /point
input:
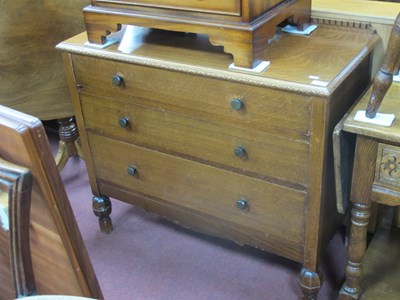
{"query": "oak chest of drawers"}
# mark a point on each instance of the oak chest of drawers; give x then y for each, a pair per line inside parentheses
(242, 27)
(241, 156)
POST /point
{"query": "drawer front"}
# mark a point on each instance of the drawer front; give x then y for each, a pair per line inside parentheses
(213, 6)
(244, 151)
(271, 209)
(239, 105)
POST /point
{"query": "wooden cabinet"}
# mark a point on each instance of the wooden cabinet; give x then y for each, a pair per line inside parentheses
(242, 27)
(242, 156)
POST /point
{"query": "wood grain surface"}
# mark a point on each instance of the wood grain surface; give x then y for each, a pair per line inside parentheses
(31, 70)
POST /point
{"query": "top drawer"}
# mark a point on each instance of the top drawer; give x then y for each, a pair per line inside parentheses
(230, 103)
(221, 6)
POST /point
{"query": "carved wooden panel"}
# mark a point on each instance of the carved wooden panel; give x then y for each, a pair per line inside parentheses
(387, 171)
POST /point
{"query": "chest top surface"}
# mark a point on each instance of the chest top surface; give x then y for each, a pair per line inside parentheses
(314, 64)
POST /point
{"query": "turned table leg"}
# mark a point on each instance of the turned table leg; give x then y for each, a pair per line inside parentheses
(356, 251)
(363, 177)
(69, 144)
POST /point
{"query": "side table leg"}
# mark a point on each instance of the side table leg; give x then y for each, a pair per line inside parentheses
(310, 283)
(356, 251)
(102, 209)
(69, 144)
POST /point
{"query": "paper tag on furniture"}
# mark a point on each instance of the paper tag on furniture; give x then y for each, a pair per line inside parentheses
(261, 67)
(380, 119)
(293, 29)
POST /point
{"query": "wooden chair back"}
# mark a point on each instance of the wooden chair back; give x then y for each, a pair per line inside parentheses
(15, 189)
(43, 246)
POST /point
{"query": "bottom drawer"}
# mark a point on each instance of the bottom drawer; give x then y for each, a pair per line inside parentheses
(249, 202)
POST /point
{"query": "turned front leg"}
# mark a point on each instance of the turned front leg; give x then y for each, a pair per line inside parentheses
(102, 209)
(356, 251)
(310, 283)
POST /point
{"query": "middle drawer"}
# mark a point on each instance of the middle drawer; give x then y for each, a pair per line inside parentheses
(248, 152)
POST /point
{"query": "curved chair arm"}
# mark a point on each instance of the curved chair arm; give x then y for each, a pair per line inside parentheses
(390, 66)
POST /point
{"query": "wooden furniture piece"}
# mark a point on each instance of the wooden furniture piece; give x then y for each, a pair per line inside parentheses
(32, 77)
(242, 27)
(377, 14)
(375, 179)
(48, 233)
(375, 167)
(241, 156)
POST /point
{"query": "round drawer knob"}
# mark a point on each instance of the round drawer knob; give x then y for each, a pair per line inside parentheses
(242, 204)
(132, 170)
(117, 80)
(239, 151)
(237, 104)
(123, 122)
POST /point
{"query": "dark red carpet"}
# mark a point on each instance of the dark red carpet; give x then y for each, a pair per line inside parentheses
(147, 257)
